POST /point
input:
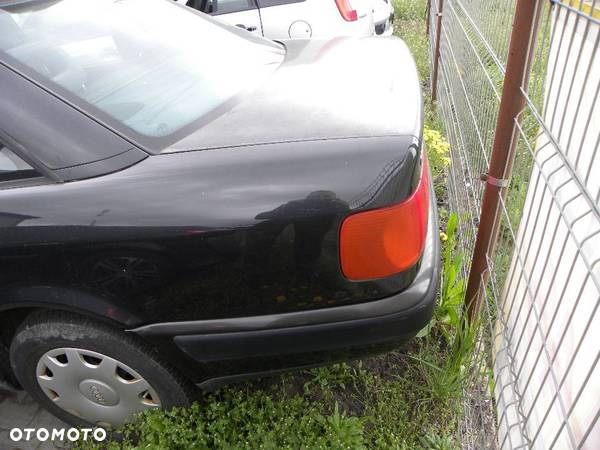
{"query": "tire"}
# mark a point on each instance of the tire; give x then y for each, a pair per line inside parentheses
(88, 373)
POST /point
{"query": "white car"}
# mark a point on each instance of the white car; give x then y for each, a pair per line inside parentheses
(383, 17)
(295, 19)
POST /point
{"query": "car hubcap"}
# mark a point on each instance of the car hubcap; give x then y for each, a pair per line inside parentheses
(93, 386)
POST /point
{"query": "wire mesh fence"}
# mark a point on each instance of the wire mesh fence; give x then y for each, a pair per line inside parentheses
(535, 381)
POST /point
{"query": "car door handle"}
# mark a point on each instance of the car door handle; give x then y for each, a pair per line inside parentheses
(240, 25)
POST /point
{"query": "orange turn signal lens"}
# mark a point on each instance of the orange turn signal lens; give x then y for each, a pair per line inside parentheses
(386, 241)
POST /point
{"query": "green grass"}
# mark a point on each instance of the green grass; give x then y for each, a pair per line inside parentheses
(381, 403)
(236, 419)
(410, 26)
(405, 399)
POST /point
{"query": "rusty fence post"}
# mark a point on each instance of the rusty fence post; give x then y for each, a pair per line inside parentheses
(512, 102)
(427, 17)
(436, 56)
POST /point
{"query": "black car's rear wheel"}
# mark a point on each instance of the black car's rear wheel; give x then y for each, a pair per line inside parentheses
(88, 373)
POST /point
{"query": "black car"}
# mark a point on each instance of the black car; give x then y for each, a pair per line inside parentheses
(183, 204)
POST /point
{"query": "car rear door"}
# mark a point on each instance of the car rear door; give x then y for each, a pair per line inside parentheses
(241, 13)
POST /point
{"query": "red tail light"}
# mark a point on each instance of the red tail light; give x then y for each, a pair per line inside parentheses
(349, 14)
(383, 242)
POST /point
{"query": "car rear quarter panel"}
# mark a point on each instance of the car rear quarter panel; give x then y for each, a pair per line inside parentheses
(200, 235)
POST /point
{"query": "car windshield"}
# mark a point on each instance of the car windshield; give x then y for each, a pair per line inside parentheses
(151, 65)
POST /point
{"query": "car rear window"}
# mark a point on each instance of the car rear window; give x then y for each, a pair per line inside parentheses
(150, 66)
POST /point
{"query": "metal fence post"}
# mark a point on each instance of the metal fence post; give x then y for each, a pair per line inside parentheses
(427, 17)
(496, 180)
(436, 57)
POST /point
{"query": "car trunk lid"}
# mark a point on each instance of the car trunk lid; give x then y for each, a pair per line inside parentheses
(341, 88)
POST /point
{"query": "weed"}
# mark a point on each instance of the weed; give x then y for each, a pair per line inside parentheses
(447, 316)
(337, 376)
(436, 442)
(438, 153)
(236, 419)
(443, 372)
(453, 285)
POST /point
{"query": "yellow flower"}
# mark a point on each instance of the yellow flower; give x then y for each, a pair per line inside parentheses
(443, 236)
(280, 298)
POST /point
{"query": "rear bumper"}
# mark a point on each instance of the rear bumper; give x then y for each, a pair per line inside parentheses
(382, 322)
(385, 27)
(350, 334)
